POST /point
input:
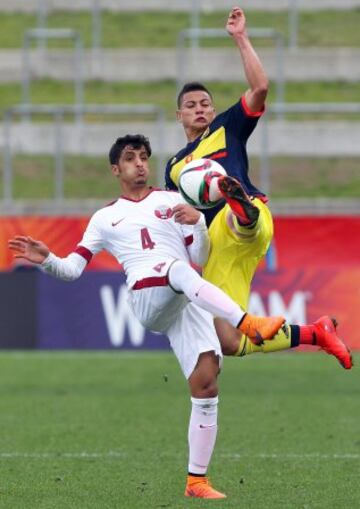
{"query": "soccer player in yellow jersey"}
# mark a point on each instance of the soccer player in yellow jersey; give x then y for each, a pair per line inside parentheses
(241, 231)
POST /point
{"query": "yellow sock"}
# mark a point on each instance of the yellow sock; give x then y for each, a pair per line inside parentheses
(282, 341)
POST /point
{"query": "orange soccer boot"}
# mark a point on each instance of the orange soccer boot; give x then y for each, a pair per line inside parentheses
(240, 203)
(200, 487)
(258, 328)
(327, 338)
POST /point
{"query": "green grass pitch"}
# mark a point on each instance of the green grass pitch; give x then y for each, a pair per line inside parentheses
(109, 430)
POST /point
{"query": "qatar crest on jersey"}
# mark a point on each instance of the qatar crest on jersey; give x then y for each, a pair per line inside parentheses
(163, 212)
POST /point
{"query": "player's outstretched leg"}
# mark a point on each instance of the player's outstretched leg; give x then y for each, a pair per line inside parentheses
(200, 487)
(326, 337)
(183, 278)
(246, 212)
(321, 333)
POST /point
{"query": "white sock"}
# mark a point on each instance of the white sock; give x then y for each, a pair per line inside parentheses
(202, 433)
(184, 278)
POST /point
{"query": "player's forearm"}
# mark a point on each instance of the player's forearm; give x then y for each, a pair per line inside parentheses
(68, 269)
(253, 68)
(200, 247)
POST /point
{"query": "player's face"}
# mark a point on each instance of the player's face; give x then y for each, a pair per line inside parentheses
(133, 166)
(196, 110)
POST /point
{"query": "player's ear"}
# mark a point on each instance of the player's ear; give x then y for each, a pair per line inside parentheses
(178, 115)
(115, 170)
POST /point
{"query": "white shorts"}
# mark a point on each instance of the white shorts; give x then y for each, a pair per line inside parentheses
(189, 328)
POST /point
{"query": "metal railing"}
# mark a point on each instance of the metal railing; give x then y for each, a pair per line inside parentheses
(215, 33)
(195, 10)
(96, 14)
(265, 166)
(45, 34)
(57, 112)
(293, 22)
(161, 136)
(291, 108)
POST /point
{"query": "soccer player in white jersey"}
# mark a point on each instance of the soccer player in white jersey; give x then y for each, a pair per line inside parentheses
(154, 235)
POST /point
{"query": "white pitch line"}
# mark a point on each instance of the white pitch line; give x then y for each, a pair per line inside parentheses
(55, 455)
(83, 354)
(314, 455)
(118, 454)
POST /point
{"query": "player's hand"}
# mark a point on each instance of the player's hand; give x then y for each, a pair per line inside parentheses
(185, 214)
(32, 250)
(236, 23)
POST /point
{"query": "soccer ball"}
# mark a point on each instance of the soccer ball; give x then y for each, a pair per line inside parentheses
(197, 184)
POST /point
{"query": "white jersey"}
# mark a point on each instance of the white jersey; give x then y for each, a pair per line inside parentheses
(139, 234)
(145, 239)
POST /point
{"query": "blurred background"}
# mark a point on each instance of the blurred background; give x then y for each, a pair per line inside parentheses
(76, 75)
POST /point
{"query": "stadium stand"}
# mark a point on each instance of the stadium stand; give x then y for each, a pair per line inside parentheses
(284, 137)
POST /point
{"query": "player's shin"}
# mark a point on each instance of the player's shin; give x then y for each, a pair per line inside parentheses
(284, 339)
(202, 434)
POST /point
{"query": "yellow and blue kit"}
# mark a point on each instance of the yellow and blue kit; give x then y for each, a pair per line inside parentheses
(235, 250)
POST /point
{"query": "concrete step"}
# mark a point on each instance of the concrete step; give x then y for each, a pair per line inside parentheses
(315, 138)
(288, 207)
(218, 64)
(175, 5)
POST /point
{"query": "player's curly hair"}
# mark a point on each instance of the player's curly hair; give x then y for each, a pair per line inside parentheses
(135, 140)
(192, 86)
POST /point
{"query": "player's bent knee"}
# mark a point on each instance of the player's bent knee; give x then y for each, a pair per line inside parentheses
(203, 380)
(204, 390)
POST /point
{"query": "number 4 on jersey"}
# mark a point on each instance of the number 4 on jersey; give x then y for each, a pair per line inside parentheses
(146, 240)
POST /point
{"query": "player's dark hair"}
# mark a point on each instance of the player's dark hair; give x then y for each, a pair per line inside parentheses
(135, 140)
(192, 86)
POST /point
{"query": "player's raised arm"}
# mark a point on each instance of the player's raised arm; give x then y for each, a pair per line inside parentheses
(29, 249)
(254, 71)
(35, 251)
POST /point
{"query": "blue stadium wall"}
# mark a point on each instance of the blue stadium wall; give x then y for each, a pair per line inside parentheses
(39, 311)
